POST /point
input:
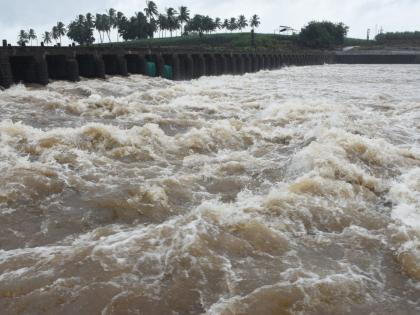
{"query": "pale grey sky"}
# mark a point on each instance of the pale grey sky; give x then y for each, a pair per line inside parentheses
(392, 15)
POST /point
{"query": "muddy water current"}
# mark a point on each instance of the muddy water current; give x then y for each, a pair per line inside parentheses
(294, 191)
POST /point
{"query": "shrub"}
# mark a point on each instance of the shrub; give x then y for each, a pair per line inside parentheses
(323, 35)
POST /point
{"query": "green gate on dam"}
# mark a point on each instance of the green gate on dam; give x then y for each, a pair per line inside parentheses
(168, 72)
(151, 69)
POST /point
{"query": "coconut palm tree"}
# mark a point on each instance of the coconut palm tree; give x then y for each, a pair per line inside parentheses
(107, 24)
(46, 37)
(163, 24)
(151, 10)
(23, 37)
(232, 24)
(183, 17)
(61, 30)
(254, 22)
(242, 23)
(225, 24)
(98, 24)
(119, 19)
(31, 35)
(112, 16)
(173, 23)
(218, 23)
(89, 20)
(54, 33)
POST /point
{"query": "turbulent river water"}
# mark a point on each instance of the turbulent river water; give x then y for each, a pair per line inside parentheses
(294, 191)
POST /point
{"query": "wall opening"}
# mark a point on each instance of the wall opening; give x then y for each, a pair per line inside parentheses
(23, 69)
(57, 67)
(87, 67)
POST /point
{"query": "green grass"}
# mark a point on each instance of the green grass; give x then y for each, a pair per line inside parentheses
(357, 42)
(237, 41)
(213, 41)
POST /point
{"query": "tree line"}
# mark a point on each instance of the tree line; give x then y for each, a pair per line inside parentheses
(143, 24)
(398, 36)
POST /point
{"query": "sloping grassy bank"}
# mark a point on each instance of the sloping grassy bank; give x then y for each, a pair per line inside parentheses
(234, 41)
(226, 40)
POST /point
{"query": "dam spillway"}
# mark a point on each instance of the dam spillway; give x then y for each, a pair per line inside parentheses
(40, 64)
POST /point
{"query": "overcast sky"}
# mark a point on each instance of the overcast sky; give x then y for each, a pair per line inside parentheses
(359, 15)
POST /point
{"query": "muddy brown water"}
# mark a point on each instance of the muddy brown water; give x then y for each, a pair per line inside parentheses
(294, 191)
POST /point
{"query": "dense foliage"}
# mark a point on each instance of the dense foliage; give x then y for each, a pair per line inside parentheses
(140, 26)
(81, 30)
(136, 27)
(323, 35)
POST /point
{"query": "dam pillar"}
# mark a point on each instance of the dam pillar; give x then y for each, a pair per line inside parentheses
(199, 66)
(234, 65)
(247, 63)
(122, 65)
(72, 70)
(176, 67)
(239, 64)
(230, 64)
(287, 60)
(263, 62)
(267, 62)
(253, 60)
(142, 65)
(223, 65)
(279, 61)
(186, 67)
(256, 63)
(99, 67)
(6, 77)
(311, 59)
(270, 62)
(297, 60)
(220, 64)
(41, 71)
(211, 65)
(160, 64)
(275, 62)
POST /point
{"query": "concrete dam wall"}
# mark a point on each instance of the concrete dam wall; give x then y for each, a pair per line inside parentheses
(377, 58)
(40, 64)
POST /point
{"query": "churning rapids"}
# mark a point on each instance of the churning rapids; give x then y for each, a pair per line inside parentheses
(294, 191)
